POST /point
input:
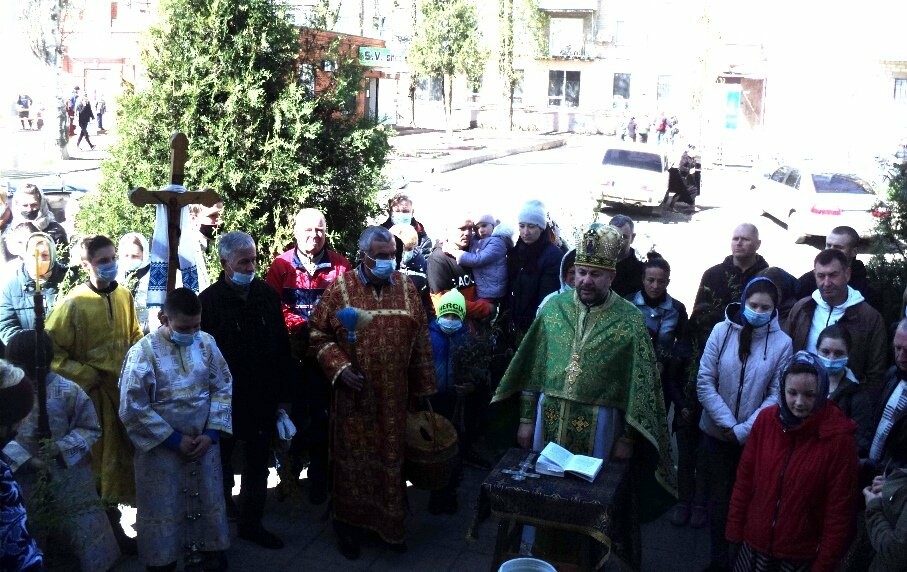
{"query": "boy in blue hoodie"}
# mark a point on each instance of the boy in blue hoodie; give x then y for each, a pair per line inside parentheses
(462, 386)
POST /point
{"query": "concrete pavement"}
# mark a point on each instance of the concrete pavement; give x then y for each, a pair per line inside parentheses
(417, 153)
(435, 543)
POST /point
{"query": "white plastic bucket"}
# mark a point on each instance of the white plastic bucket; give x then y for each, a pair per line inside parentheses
(526, 565)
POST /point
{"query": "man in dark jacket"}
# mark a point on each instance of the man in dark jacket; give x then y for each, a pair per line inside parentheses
(244, 316)
(723, 283)
(845, 239)
(400, 211)
(836, 302)
(629, 268)
(892, 407)
(445, 274)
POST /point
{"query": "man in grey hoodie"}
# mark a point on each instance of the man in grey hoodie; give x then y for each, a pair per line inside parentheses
(834, 301)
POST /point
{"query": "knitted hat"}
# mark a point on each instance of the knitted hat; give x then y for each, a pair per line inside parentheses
(16, 397)
(533, 212)
(487, 219)
(452, 302)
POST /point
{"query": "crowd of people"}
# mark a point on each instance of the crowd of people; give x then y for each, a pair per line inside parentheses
(776, 390)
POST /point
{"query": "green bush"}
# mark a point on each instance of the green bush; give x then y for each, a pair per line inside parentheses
(888, 266)
(226, 75)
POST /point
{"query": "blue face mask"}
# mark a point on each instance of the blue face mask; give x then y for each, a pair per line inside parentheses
(450, 325)
(833, 365)
(383, 268)
(407, 256)
(401, 218)
(183, 339)
(241, 279)
(756, 319)
(107, 272)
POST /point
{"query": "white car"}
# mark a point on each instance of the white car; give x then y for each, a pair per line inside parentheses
(812, 203)
(635, 176)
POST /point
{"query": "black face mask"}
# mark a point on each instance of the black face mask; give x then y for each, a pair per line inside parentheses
(207, 230)
(30, 215)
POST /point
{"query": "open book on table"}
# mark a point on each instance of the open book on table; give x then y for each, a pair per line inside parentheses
(557, 461)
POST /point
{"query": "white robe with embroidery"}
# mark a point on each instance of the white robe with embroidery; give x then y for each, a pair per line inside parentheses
(74, 429)
(166, 388)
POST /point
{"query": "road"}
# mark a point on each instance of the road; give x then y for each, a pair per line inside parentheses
(564, 179)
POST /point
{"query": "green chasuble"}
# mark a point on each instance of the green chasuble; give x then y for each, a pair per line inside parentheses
(582, 357)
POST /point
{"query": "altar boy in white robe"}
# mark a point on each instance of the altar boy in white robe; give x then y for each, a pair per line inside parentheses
(175, 395)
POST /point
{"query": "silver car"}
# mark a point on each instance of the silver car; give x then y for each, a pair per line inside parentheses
(812, 203)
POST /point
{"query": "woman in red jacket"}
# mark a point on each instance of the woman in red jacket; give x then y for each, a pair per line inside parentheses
(793, 502)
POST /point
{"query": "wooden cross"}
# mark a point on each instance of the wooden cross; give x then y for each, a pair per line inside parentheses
(174, 201)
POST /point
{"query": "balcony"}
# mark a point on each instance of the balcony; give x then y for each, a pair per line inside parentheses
(568, 6)
(576, 51)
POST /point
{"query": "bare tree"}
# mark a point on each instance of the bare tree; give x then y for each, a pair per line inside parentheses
(47, 24)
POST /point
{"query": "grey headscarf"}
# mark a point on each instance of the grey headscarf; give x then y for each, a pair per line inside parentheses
(788, 419)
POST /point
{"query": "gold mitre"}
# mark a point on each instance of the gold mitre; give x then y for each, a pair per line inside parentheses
(599, 245)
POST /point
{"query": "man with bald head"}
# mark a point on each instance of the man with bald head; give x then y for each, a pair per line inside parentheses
(300, 276)
(723, 283)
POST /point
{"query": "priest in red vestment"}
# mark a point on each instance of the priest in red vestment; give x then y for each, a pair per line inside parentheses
(377, 355)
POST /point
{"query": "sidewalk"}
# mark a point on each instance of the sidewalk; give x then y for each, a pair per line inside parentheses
(34, 154)
(416, 153)
(435, 542)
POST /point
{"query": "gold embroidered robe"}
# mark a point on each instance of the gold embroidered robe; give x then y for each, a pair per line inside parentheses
(393, 352)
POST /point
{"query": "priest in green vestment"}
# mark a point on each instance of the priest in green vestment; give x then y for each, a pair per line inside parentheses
(587, 375)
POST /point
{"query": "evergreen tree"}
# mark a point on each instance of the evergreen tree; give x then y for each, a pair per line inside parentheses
(888, 266)
(227, 74)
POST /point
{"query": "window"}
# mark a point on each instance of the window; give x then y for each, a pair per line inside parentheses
(307, 78)
(430, 89)
(634, 160)
(664, 88)
(563, 88)
(621, 86)
(900, 90)
(793, 180)
(565, 37)
(838, 183)
(518, 86)
(779, 174)
(619, 32)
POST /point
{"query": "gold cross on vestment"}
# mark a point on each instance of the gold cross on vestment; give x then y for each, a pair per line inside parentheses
(580, 424)
(573, 370)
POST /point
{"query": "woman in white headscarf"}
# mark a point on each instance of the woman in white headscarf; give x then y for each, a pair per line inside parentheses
(134, 265)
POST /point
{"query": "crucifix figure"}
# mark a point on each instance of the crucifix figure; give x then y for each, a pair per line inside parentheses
(173, 198)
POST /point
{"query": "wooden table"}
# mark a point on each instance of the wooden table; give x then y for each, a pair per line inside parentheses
(597, 510)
